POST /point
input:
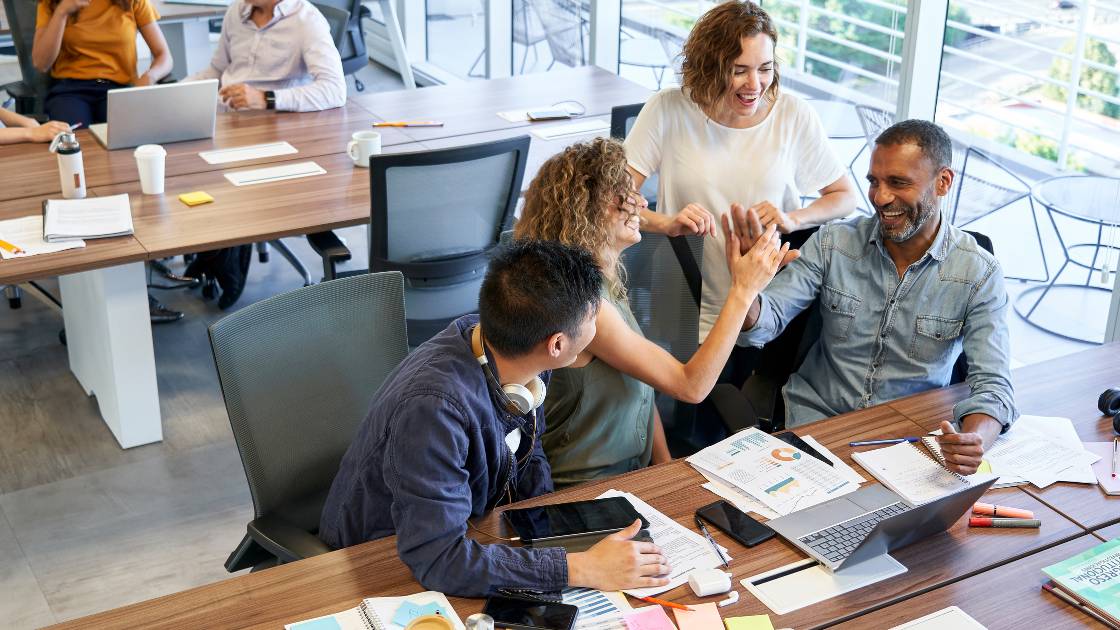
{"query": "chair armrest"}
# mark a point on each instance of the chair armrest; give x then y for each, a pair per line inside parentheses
(328, 245)
(284, 540)
(733, 408)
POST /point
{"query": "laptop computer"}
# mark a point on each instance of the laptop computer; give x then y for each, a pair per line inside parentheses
(870, 522)
(158, 114)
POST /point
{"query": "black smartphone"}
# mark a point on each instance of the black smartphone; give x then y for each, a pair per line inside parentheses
(735, 523)
(794, 440)
(548, 114)
(530, 614)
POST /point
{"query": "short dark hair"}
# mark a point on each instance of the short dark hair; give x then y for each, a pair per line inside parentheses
(929, 137)
(535, 289)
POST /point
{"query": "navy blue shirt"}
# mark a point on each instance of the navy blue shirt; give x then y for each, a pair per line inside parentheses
(431, 454)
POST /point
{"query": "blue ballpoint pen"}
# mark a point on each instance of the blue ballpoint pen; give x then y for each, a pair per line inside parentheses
(877, 442)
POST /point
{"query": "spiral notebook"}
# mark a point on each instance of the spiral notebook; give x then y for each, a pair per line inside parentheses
(383, 613)
(911, 473)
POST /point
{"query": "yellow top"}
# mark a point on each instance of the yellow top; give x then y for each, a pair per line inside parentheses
(99, 42)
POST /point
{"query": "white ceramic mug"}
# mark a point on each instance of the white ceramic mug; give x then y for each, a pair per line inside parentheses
(150, 162)
(363, 145)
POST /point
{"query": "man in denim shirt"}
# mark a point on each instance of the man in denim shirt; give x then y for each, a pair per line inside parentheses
(901, 294)
(443, 442)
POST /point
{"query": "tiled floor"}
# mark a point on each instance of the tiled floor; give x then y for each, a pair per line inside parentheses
(85, 526)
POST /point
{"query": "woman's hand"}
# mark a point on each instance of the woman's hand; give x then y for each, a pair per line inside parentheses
(748, 229)
(693, 219)
(769, 215)
(753, 270)
(69, 7)
(47, 131)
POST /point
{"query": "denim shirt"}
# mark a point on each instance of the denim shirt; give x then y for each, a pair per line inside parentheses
(432, 454)
(883, 337)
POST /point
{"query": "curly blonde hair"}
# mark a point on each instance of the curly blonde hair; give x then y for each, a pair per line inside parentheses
(713, 45)
(567, 199)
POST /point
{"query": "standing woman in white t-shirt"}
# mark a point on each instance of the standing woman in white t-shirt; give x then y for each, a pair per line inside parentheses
(729, 136)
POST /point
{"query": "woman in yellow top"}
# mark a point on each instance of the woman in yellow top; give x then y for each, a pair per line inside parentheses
(89, 48)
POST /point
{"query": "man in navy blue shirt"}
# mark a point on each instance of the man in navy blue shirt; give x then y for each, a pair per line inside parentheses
(455, 431)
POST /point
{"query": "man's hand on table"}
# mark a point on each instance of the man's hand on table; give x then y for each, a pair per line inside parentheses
(964, 450)
(617, 563)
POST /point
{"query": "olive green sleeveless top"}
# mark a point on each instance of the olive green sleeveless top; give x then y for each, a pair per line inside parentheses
(599, 420)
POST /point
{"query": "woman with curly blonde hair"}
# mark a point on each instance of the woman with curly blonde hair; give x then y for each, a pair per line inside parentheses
(601, 417)
(729, 136)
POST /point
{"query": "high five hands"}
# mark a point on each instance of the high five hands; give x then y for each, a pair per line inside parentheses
(748, 229)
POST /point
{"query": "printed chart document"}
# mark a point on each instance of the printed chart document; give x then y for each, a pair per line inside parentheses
(274, 173)
(773, 472)
(92, 217)
(598, 610)
(26, 233)
(684, 550)
(250, 152)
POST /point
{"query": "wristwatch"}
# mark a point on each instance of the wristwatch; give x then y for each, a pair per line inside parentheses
(269, 99)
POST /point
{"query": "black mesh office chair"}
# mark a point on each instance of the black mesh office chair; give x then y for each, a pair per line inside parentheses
(759, 401)
(435, 216)
(622, 120)
(31, 90)
(344, 18)
(297, 373)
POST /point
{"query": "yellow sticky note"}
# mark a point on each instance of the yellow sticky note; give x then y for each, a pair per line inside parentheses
(749, 622)
(701, 617)
(195, 198)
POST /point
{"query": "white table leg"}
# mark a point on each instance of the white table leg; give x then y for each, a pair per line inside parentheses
(189, 43)
(109, 340)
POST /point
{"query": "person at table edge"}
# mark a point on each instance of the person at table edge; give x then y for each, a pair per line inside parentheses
(444, 442)
(901, 294)
(276, 54)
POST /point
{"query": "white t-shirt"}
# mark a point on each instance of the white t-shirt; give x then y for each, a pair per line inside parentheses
(701, 161)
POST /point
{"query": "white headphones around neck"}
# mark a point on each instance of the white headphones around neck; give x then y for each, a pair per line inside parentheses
(517, 398)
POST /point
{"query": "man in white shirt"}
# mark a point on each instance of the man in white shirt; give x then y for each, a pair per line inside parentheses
(276, 54)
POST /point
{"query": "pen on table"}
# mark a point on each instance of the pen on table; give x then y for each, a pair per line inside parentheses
(708, 535)
(75, 126)
(1115, 455)
(1049, 588)
(662, 602)
(409, 123)
(16, 249)
(887, 441)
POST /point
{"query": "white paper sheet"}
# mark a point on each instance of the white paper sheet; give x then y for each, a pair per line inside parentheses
(92, 217)
(250, 152)
(683, 549)
(598, 610)
(735, 496)
(1043, 450)
(27, 234)
(813, 583)
(274, 173)
(571, 130)
(521, 114)
(951, 618)
(773, 472)
(838, 464)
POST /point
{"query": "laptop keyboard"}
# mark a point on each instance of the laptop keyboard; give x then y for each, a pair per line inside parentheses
(838, 542)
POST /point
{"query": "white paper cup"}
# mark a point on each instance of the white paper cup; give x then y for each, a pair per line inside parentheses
(363, 145)
(150, 162)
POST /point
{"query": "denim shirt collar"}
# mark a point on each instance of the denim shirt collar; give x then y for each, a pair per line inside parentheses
(283, 9)
(938, 250)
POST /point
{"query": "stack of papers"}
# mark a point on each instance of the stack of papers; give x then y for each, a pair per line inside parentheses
(780, 477)
(26, 233)
(93, 217)
(597, 610)
(684, 549)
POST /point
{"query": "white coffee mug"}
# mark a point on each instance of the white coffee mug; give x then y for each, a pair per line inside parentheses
(363, 145)
(150, 163)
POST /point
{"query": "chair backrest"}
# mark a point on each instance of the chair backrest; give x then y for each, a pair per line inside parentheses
(21, 16)
(622, 120)
(664, 297)
(563, 29)
(874, 121)
(435, 216)
(984, 186)
(297, 372)
(343, 18)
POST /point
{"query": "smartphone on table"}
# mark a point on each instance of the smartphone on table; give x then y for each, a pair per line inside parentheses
(548, 114)
(735, 523)
(529, 614)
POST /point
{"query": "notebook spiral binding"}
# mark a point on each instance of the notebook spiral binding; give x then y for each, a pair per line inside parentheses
(934, 449)
(369, 617)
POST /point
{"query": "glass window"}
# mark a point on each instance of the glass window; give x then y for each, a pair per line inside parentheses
(456, 36)
(550, 33)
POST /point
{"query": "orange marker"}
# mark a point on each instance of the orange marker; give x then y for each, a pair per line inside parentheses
(989, 509)
(654, 600)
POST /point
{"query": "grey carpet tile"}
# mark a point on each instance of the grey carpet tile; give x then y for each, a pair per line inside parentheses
(22, 603)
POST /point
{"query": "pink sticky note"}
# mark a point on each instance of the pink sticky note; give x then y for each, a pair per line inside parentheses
(701, 617)
(648, 618)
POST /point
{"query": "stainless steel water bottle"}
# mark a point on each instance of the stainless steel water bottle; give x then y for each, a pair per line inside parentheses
(71, 171)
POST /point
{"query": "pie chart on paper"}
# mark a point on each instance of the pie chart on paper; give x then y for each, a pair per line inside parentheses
(785, 454)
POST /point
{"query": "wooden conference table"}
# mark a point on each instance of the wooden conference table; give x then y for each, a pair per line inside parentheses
(993, 574)
(109, 345)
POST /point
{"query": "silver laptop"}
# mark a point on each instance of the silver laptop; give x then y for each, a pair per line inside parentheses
(870, 522)
(158, 114)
